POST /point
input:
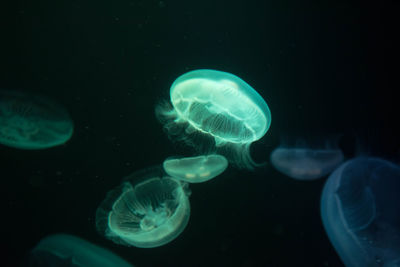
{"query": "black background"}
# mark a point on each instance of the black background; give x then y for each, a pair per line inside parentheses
(324, 67)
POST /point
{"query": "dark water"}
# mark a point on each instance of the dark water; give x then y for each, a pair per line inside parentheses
(323, 68)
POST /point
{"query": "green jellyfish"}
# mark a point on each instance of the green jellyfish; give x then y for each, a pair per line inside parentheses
(196, 169)
(32, 122)
(147, 210)
(216, 111)
(67, 250)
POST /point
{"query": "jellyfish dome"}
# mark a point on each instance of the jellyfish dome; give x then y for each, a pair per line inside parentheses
(220, 106)
(196, 169)
(32, 122)
(360, 209)
(147, 213)
(305, 163)
(67, 250)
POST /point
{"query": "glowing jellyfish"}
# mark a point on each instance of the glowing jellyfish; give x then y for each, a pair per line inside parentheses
(215, 110)
(360, 209)
(196, 169)
(32, 122)
(145, 214)
(306, 163)
(67, 250)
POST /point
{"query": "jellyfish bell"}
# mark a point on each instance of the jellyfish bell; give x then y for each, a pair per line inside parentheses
(307, 161)
(305, 164)
(196, 169)
(220, 106)
(147, 210)
(68, 250)
(30, 121)
(360, 210)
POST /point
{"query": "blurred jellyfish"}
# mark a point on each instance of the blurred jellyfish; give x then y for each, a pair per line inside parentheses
(306, 163)
(196, 169)
(146, 213)
(67, 250)
(216, 111)
(360, 209)
(32, 122)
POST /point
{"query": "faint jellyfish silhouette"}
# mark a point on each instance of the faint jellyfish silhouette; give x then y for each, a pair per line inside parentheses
(196, 169)
(148, 210)
(32, 122)
(360, 209)
(67, 250)
(216, 111)
(304, 162)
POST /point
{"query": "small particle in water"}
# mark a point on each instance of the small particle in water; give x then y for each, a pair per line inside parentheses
(162, 4)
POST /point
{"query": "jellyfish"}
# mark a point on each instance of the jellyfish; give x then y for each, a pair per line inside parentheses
(149, 209)
(67, 250)
(32, 122)
(196, 169)
(360, 210)
(216, 111)
(304, 162)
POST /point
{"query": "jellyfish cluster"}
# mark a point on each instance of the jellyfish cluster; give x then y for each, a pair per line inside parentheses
(214, 112)
(219, 116)
(360, 202)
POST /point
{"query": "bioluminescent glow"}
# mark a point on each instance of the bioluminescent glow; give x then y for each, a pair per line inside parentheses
(196, 169)
(305, 163)
(220, 106)
(360, 209)
(145, 214)
(32, 122)
(67, 250)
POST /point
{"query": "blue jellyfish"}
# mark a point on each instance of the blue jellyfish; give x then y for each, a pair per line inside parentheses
(216, 111)
(306, 163)
(32, 122)
(360, 209)
(148, 210)
(196, 169)
(67, 250)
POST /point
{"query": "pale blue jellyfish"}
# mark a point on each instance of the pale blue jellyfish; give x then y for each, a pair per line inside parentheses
(196, 169)
(32, 122)
(214, 110)
(360, 209)
(306, 163)
(67, 250)
(148, 210)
